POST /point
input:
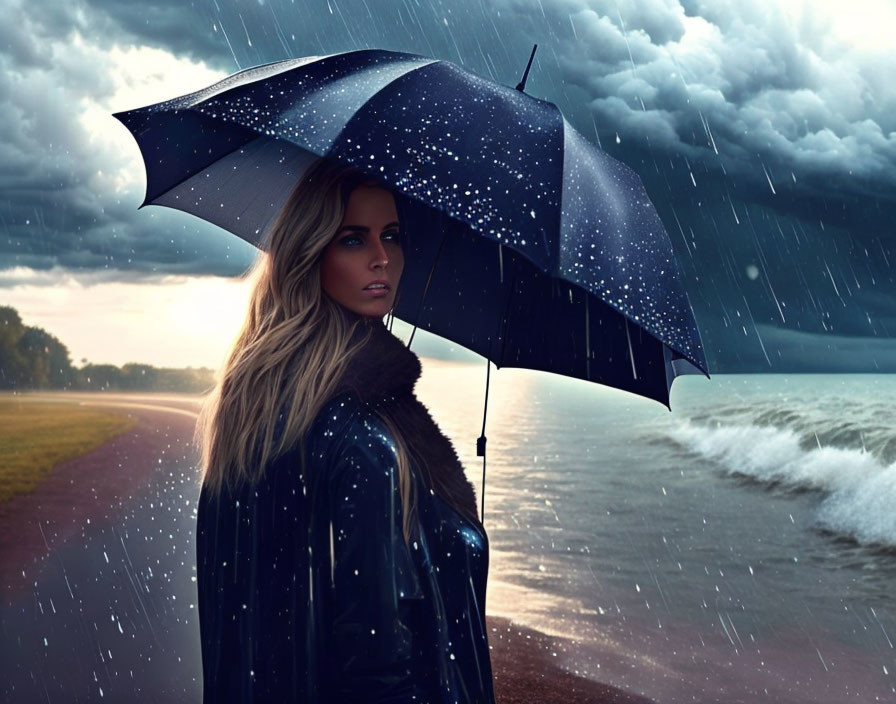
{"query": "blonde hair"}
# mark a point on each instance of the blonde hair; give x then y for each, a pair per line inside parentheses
(293, 346)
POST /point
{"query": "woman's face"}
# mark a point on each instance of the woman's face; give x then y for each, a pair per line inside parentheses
(365, 252)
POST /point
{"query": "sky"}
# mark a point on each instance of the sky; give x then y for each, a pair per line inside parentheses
(764, 133)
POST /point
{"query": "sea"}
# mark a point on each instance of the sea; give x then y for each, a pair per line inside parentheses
(738, 548)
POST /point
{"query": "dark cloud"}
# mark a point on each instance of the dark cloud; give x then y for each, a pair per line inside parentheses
(795, 351)
(61, 153)
(177, 26)
(132, 246)
(740, 87)
(767, 144)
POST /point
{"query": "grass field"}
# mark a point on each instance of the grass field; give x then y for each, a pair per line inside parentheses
(35, 436)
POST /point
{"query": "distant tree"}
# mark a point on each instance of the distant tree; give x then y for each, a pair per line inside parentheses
(32, 358)
(14, 366)
(99, 377)
(138, 376)
(61, 370)
(49, 365)
(192, 380)
(32, 346)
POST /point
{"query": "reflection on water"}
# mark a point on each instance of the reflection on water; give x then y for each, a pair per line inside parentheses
(744, 544)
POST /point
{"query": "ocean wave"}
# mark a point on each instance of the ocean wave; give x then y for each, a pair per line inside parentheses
(859, 485)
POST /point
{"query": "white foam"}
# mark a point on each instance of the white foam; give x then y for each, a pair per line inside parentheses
(865, 510)
(860, 490)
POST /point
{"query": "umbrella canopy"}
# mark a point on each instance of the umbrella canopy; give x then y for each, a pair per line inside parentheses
(526, 244)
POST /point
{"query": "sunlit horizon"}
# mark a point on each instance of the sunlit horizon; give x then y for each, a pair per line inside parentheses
(177, 322)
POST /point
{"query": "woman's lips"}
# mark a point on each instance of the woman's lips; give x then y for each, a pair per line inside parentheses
(376, 292)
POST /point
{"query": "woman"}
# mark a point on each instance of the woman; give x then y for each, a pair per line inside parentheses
(339, 553)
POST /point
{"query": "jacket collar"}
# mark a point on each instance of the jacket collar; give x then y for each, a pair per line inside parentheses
(384, 372)
(383, 367)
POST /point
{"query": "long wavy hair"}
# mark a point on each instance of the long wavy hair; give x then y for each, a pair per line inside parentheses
(293, 347)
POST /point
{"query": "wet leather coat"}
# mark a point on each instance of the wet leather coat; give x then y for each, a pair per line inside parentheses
(307, 591)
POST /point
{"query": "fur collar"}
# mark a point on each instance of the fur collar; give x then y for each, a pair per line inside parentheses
(383, 373)
(383, 367)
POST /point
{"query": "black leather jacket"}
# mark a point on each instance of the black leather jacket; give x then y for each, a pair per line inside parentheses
(308, 593)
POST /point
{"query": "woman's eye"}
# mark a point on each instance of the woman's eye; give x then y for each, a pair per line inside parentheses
(358, 240)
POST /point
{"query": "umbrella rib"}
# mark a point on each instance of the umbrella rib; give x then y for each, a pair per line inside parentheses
(360, 109)
(426, 286)
(588, 341)
(501, 262)
(631, 354)
(506, 309)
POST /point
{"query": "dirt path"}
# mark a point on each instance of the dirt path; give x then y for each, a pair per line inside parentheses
(98, 486)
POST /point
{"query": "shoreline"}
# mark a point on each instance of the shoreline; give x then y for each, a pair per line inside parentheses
(525, 671)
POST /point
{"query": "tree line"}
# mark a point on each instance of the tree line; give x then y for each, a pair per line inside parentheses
(32, 358)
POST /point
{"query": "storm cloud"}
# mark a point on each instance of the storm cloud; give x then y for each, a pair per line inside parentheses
(68, 172)
(740, 86)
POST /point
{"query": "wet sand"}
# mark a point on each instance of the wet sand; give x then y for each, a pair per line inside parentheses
(50, 548)
(525, 670)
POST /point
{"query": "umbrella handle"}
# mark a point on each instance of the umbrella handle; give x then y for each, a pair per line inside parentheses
(522, 84)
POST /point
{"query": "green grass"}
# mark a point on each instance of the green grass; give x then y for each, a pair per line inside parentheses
(35, 436)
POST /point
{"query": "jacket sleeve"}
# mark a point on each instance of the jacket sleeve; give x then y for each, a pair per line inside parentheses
(375, 588)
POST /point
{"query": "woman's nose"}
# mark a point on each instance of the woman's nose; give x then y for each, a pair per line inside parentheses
(379, 258)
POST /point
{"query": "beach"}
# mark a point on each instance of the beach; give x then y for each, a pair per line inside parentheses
(526, 670)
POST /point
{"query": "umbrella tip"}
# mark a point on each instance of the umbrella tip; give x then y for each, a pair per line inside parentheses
(521, 86)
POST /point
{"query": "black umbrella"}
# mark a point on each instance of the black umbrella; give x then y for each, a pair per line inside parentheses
(528, 245)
